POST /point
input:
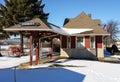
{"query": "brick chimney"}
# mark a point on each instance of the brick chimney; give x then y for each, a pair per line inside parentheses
(89, 15)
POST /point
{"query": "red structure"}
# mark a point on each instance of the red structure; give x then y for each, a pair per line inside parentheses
(35, 33)
(81, 37)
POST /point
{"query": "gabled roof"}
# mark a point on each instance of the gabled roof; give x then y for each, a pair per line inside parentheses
(39, 25)
(19, 27)
(84, 21)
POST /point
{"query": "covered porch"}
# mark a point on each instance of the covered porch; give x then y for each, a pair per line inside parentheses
(37, 29)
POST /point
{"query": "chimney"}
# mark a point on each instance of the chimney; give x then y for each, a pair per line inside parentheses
(89, 15)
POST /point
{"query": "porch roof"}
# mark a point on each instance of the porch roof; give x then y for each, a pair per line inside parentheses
(45, 26)
(26, 27)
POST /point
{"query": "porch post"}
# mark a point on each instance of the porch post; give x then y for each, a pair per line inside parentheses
(31, 40)
(37, 53)
(51, 50)
(36, 35)
(21, 42)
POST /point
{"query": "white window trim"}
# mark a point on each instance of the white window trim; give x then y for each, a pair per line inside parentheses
(68, 44)
(94, 42)
(83, 41)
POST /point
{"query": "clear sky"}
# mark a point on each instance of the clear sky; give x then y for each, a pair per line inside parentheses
(105, 10)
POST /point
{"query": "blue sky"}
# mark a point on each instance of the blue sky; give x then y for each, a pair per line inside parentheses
(105, 10)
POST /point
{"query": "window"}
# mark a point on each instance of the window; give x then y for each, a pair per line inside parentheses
(92, 42)
(68, 42)
(80, 42)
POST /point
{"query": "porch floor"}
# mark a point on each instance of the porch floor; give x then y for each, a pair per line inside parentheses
(41, 61)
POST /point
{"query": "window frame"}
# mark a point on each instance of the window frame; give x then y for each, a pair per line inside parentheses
(68, 42)
(92, 44)
(83, 42)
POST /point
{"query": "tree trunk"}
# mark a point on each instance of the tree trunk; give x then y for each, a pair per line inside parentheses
(21, 43)
(0, 51)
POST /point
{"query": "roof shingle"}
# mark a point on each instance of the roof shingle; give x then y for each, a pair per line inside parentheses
(84, 21)
(43, 26)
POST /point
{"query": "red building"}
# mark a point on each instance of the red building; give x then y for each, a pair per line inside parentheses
(80, 37)
(87, 44)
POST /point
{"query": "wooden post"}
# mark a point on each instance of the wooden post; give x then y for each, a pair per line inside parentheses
(37, 52)
(36, 36)
(31, 40)
(51, 51)
(21, 42)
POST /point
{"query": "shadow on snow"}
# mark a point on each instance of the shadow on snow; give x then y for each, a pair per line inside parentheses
(40, 75)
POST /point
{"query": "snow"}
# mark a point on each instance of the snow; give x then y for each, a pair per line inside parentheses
(75, 31)
(68, 31)
(93, 71)
(80, 71)
(12, 61)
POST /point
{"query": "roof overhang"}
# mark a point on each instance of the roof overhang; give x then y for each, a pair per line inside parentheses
(91, 34)
(18, 29)
(53, 28)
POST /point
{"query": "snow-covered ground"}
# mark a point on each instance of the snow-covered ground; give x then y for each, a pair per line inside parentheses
(12, 61)
(68, 70)
(87, 71)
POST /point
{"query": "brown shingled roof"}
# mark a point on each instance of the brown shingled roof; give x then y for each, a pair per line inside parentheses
(84, 21)
(43, 26)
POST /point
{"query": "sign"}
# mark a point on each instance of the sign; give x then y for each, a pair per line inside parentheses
(30, 24)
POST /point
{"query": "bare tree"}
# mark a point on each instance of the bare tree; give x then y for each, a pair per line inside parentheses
(113, 29)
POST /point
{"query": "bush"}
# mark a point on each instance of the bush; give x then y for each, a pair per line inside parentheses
(109, 49)
(114, 49)
(117, 53)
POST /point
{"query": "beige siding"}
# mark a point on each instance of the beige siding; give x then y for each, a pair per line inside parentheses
(78, 53)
